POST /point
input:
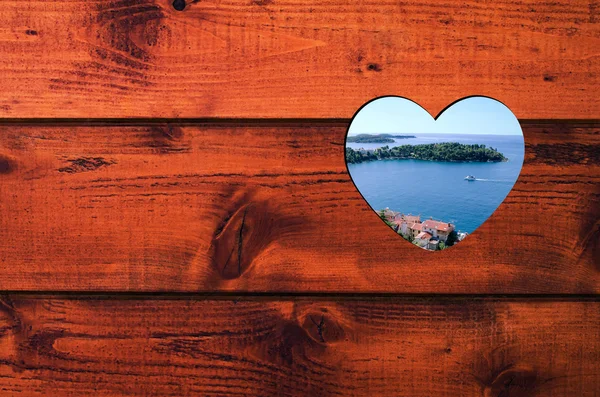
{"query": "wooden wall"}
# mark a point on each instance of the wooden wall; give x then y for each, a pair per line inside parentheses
(176, 217)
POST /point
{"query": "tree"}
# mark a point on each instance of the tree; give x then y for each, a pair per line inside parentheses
(441, 245)
(451, 240)
(447, 151)
(384, 218)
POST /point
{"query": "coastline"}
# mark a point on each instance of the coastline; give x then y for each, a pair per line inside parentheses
(441, 152)
(437, 161)
(376, 139)
(429, 234)
(437, 188)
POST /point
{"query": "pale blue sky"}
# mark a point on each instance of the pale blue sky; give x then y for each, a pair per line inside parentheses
(475, 115)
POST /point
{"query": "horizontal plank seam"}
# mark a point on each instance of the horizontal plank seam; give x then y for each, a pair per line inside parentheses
(221, 121)
(273, 296)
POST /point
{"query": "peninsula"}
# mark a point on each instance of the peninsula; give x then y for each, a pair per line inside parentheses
(378, 138)
(447, 151)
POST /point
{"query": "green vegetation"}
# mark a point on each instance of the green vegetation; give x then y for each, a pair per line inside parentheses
(452, 239)
(379, 138)
(447, 151)
(384, 218)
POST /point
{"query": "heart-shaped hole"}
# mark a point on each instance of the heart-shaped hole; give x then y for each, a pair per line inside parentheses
(434, 181)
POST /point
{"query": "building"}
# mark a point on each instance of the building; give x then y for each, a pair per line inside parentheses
(433, 244)
(422, 239)
(427, 234)
(440, 230)
(410, 219)
(390, 215)
(405, 222)
(404, 229)
(415, 229)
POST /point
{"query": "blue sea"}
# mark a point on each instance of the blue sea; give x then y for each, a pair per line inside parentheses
(438, 189)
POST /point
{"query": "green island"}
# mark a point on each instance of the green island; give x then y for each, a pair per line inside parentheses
(379, 138)
(447, 151)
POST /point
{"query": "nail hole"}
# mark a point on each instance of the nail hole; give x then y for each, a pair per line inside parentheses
(179, 5)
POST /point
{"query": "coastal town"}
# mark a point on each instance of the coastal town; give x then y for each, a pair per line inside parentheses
(430, 234)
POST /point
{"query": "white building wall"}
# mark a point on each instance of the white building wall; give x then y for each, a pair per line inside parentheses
(433, 232)
(404, 228)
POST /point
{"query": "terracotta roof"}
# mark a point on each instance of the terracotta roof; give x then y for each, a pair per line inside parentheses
(412, 218)
(423, 236)
(440, 226)
(416, 226)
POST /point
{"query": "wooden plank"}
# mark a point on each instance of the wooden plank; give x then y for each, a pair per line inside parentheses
(298, 347)
(295, 59)
(272, 209)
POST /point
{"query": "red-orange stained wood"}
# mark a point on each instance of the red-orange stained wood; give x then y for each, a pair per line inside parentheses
(298, 59)
(299, 347)
(232, 207)
(272, 208)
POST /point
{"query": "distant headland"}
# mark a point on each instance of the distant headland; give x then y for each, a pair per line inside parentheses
(447, 151)
(378, 138)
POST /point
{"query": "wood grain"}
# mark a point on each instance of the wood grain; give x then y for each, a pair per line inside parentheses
(295, 59)
(271, 208)
(298, 347)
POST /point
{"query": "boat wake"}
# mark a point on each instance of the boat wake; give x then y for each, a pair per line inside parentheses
(492, 180)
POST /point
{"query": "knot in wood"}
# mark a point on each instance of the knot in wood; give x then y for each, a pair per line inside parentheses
(518, 381)
(179, 5)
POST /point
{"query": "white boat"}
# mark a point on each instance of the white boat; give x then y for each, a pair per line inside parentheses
(469, 178)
